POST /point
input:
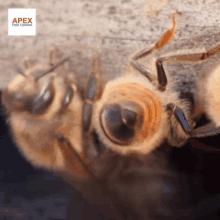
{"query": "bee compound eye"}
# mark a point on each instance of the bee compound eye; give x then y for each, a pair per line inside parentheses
(120, 122)
(129, 117)
(43, 100)
(68, 97)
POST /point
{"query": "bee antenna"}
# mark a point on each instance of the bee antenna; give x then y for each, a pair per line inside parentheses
(52, 68)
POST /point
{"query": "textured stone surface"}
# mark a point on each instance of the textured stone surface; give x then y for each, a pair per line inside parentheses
(115, 28)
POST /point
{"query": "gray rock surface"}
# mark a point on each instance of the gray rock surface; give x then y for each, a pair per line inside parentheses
(115, 28)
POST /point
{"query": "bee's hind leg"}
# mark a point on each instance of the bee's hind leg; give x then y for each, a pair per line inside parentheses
(161, 76)
(193, 57)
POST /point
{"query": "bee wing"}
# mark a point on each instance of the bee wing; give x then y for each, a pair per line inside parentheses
(206, 130)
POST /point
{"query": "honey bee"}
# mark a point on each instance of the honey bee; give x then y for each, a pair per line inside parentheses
(75, 133)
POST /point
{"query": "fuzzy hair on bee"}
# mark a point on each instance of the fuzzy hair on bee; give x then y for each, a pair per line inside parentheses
(207, 97)
(212, 97)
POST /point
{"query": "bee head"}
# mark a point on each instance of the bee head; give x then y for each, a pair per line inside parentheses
(45, 108)
(129, 116)
(32, 91)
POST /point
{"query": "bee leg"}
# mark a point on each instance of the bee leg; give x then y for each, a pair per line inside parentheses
(93, 91)
(161, 76)
(162, 80)
(143, 70)
(194, 57)
(203, 131)
(206, 130)
(178, 112)
(167, 36)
